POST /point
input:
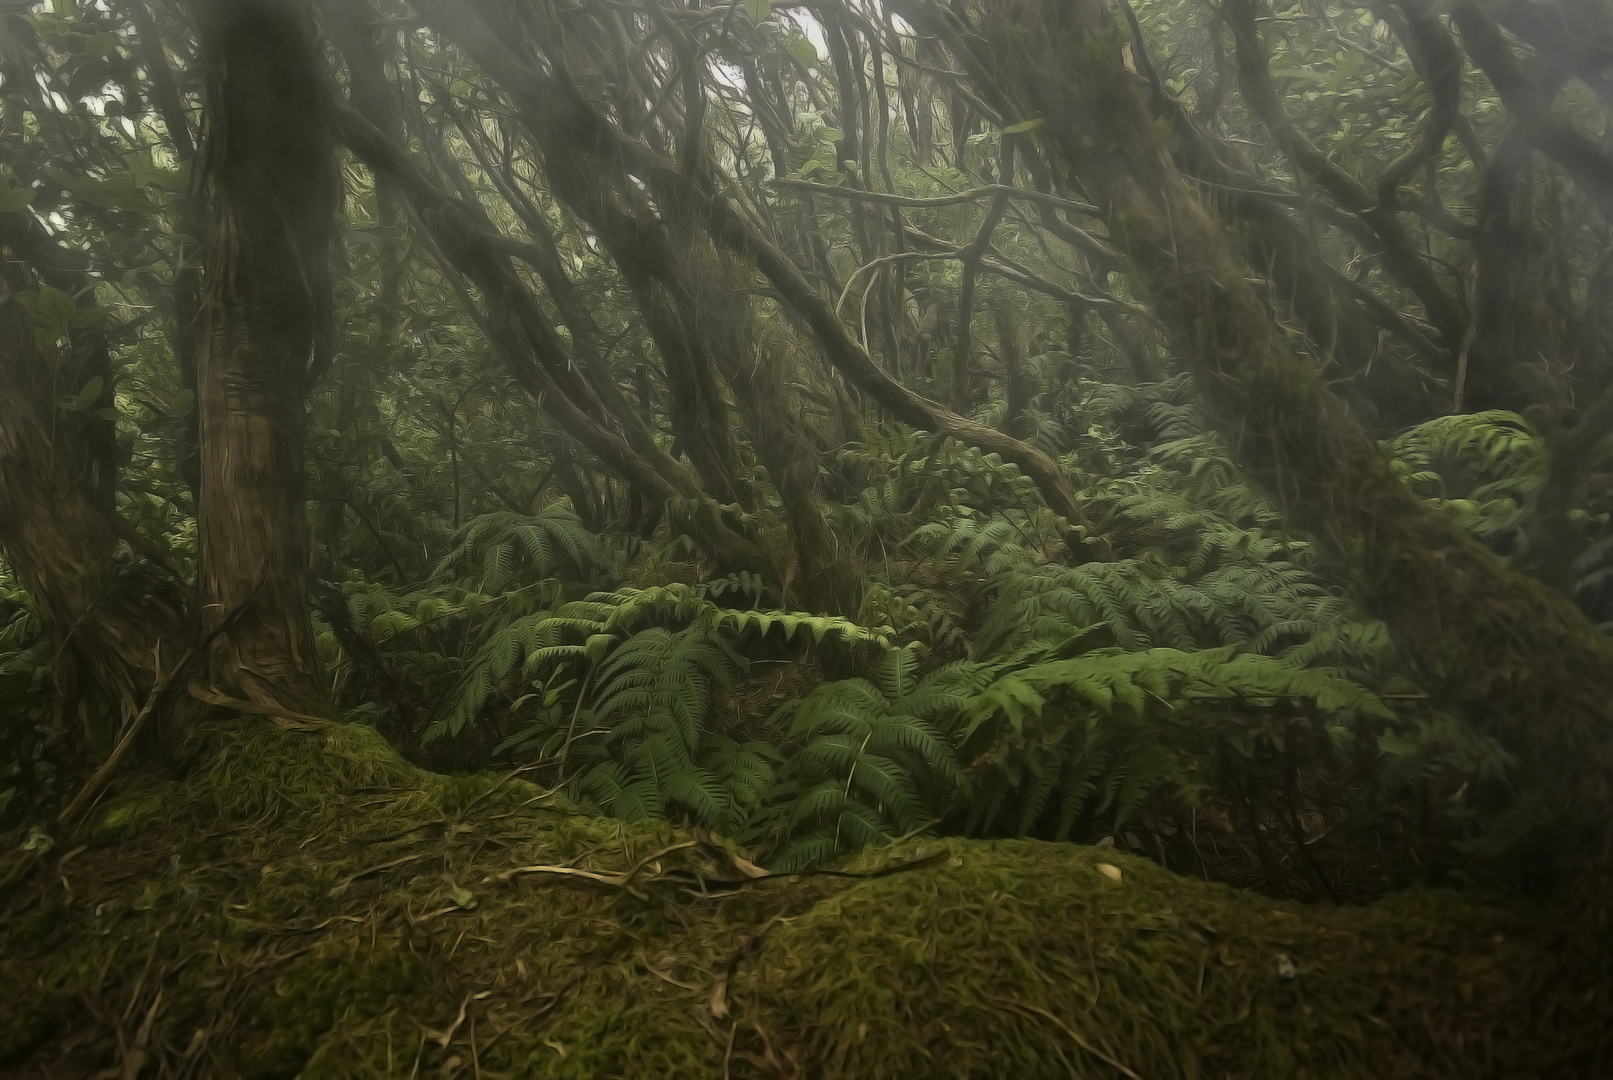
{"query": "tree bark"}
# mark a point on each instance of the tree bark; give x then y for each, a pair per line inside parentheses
(696, 308)
(113, 620)
(264, 333)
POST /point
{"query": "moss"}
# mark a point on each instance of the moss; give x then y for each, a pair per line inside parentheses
(1018, 958)
(341, 914)
(342, 984)
(126, 817)
(268, 771)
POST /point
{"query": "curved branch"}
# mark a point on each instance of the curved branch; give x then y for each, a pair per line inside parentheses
(1434, 53)
(530, 347)
(1590, 166)
(1399, 251)
(985, 191)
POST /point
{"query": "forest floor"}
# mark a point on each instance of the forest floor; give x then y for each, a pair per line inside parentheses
(310, 905)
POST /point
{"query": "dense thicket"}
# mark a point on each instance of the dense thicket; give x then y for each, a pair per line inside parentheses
(1186, 428)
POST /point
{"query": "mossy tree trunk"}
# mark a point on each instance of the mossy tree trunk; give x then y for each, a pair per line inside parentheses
(759, 375)
(114, 621)
(695, 302)
(262, 340)
(1516, 655)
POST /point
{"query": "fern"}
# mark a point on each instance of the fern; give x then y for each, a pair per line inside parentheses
(871, 751)
(1484, 469)
(645, 728)
(915, 614)
(1092, 695)
(495, 549)
(1268, 607)
(1477, 456)
(646, 661)
(1106, 731)
(656, 675)
(997, 543)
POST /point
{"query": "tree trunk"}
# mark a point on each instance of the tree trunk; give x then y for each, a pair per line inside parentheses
(1018, 386)
(696, 309)
(263, 334)
(106, 612)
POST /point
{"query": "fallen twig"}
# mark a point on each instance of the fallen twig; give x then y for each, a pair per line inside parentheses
(68, 818)
(623, 880)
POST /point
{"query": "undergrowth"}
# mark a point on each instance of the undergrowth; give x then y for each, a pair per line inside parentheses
(1215, 674)
(1210, 696)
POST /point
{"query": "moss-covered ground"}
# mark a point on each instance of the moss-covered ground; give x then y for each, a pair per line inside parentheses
(309, 905)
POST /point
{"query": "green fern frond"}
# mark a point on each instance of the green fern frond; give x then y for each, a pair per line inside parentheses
(898, 673)
(806, 851)
(618, 792)
(500, 546)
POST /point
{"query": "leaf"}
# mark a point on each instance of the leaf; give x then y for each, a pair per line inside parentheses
(88, 316)
(805, 53)
(1299, 73)
(1024, 125)
(56, 307)
(758, 10)
(91, 392)
(15, 198)
(1110, 871)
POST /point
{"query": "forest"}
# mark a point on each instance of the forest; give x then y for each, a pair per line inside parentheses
(806, 538)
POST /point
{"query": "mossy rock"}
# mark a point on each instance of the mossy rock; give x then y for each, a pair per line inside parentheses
(311, 905)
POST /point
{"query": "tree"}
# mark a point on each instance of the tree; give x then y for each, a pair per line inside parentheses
(264, 337)
(108, 608)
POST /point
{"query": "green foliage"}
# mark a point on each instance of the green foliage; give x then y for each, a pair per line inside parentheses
(494, 549)
(1484, 468)
(1046, 741)
(871, 750)
(993, 688)
(620, 685)
(996, 542)
(1270, 607)
(980, 681)
(645, 732)
(1061, 741)
(1487, 471)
